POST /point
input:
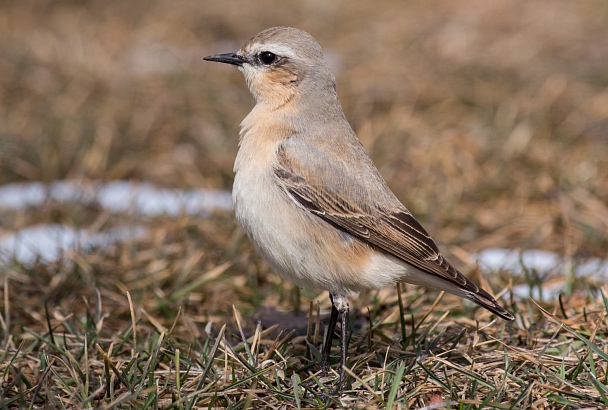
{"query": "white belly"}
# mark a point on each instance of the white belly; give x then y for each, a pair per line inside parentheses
(267, 217)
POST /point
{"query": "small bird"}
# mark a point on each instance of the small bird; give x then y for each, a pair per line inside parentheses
(308, 195)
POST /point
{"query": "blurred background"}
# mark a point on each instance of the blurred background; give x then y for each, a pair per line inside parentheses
(488, 120)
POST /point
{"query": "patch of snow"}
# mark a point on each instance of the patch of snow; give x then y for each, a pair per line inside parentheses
(117, 196)
(515, 262)
(49, 242)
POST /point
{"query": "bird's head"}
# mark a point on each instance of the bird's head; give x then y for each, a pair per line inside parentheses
(281, 64)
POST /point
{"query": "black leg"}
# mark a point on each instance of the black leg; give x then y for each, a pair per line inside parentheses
(339, 307)
(343, 350)
(331, 327)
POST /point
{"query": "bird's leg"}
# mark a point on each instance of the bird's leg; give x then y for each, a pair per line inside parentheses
(343, 347)
(331, 327)
(339, 307)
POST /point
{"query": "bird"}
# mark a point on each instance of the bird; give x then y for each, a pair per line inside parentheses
(309, 196)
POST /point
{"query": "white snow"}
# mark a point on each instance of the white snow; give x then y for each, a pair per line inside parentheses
(117, 196)
(543, 262)
(49, 241)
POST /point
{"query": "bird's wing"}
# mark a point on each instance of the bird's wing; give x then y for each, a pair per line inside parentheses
(359, 203)
(394, 231)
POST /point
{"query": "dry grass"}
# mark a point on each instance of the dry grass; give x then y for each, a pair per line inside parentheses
(490, 121)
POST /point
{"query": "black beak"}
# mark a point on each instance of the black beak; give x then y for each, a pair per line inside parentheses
(228, 58)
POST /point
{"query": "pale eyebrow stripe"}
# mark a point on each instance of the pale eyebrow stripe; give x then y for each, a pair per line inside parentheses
(277, 49)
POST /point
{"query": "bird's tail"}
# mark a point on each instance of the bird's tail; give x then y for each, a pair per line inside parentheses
(484, 299)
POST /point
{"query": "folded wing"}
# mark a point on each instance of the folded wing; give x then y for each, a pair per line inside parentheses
(368, 211)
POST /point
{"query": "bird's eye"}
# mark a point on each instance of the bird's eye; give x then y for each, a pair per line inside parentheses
(267, 58)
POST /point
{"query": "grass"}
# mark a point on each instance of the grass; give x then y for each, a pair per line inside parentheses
(489, 121)
(113, 351)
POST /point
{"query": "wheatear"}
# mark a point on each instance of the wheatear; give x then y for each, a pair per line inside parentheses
(310, 198)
